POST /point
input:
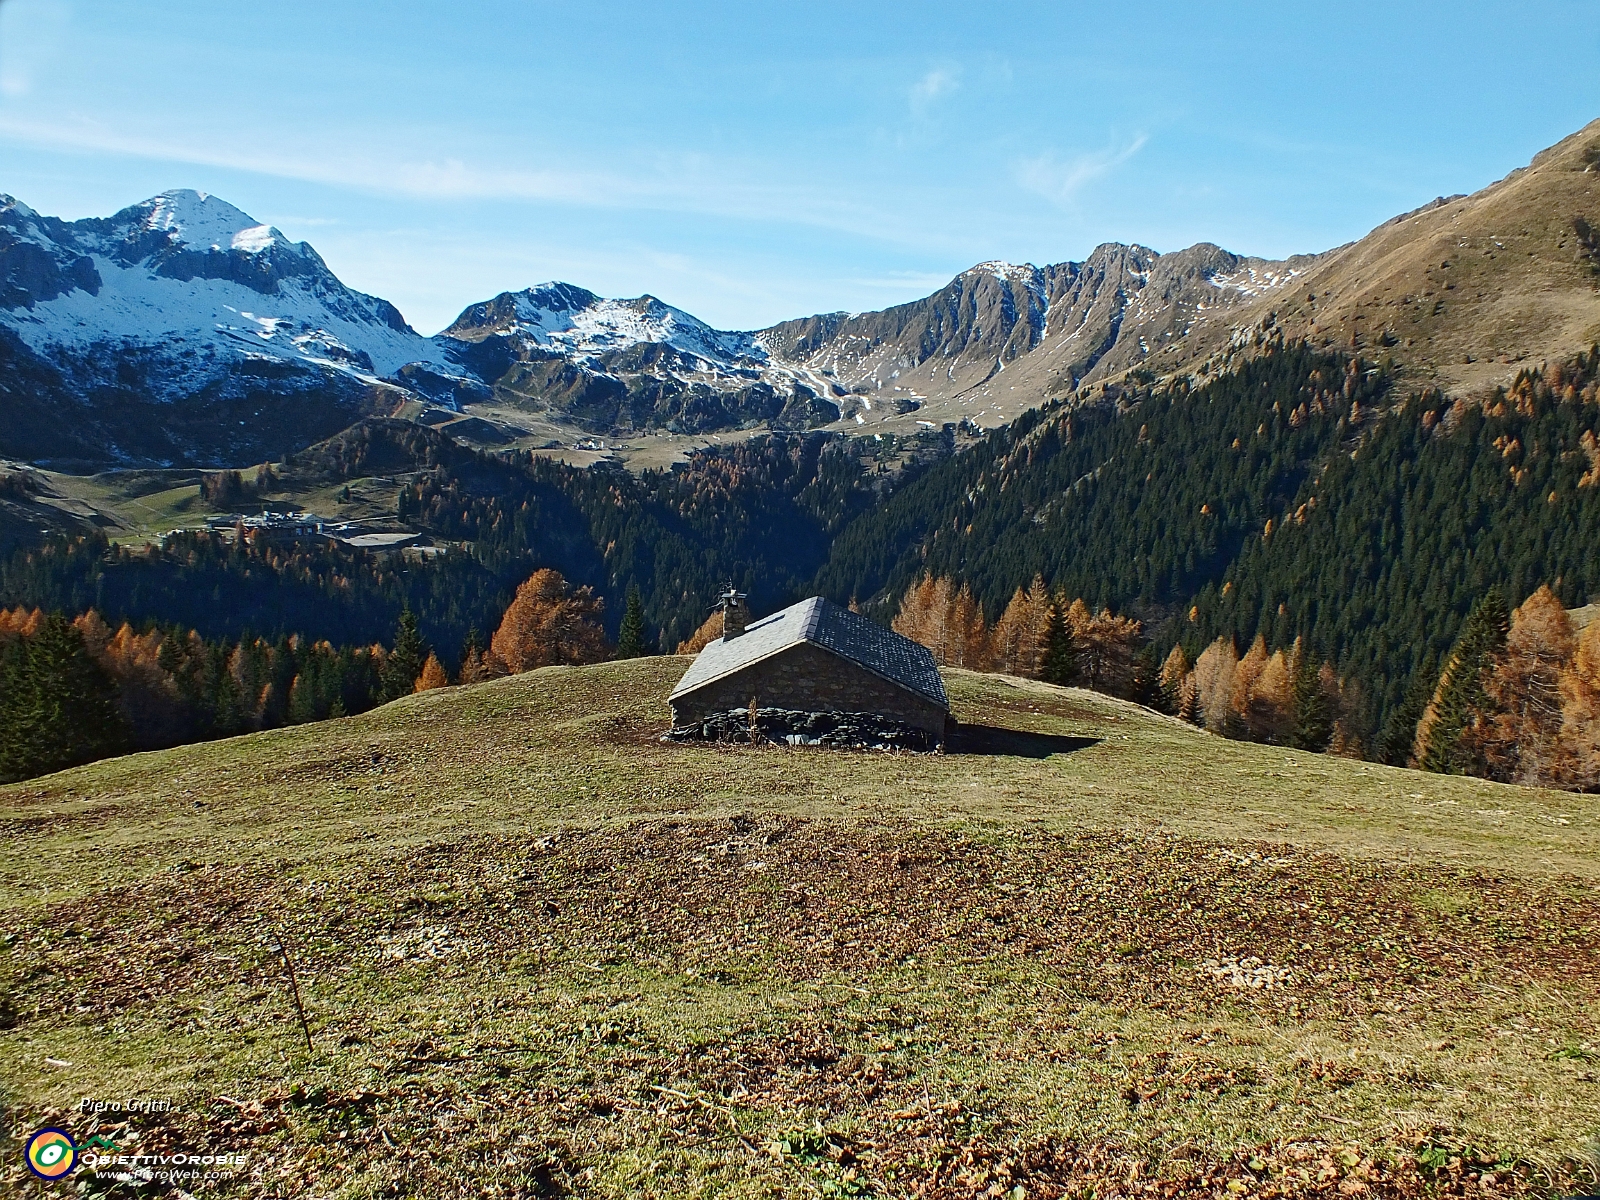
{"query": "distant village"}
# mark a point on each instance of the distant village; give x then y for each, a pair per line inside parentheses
(302, 526)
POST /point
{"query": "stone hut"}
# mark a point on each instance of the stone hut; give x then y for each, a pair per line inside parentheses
(818, 664)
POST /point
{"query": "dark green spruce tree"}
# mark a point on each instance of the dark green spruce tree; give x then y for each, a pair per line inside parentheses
(1461, 683)
(405, 660)
(630, 638)
(57, 707)
(1398, 737)
(1145, 684)
(1313, 715)
(472, 646)
(1058, 661)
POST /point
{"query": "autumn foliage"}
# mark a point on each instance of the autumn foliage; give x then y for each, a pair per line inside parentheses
(948, 621)
(1520, 704)
(710, 630)
(1038, 635)
(168, 686)
(548, 623)
(1284, 697)
(433, 675)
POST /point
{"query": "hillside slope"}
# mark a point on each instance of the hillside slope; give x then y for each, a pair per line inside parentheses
(1463, 292)
(1302, 495)
(529, 934)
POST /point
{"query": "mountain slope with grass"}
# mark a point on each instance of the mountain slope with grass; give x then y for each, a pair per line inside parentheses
(534, 942)
(1463, 292)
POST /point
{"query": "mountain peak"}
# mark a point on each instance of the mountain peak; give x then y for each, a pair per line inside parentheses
(1009, 272)
(204, 221)
(556, 296)
(9, 203)
(574, 320)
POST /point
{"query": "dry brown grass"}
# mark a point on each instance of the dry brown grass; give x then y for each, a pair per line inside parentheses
(1462, 295)
(543, 953)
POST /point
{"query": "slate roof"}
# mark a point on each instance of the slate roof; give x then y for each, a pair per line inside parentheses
(851, 636)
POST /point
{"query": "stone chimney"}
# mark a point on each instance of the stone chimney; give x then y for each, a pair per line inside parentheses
(735, 613)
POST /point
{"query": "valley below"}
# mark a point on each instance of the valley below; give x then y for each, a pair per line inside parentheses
(1090, 951)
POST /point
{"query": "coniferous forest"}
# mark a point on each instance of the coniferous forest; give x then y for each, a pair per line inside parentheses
(1308, 502)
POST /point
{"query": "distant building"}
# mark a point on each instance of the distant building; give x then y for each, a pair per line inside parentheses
(282, 526)
(813, 657)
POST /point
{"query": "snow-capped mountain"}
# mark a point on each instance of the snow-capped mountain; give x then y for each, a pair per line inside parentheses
(581, 325)
(187, 268)
(182, 330)
(632, 364)
(186, 302)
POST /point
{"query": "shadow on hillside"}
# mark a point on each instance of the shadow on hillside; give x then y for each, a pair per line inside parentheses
(993, 740)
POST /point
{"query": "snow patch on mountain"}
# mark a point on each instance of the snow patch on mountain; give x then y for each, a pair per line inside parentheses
(211, 318)
(583, 326)
(1006, 272)
(202, 221)
(1252, 282)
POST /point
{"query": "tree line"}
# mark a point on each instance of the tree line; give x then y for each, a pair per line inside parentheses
(1300, 498)
(1284, 696)
(74, 690)
(1517, 698)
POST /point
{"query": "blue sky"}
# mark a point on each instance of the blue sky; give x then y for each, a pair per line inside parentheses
(751, 162)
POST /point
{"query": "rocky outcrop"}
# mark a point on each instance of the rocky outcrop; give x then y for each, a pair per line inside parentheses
(1046, 329)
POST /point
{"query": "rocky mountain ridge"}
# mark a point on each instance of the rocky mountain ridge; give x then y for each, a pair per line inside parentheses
(181, 330)
(1000, 329)
(623, 365)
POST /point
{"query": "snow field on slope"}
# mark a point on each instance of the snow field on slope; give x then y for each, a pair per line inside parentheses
(205, 222)
(136, 306)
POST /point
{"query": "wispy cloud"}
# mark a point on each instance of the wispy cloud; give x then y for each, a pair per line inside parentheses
(449, 178)
(677, 182)
(1061, 180)
(940, 81)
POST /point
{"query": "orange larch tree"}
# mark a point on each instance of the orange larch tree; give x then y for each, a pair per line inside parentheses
(549, 623)
(1515, 735)
(432, 676)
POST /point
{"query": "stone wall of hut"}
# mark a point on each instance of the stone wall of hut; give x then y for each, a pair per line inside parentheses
(811, 679)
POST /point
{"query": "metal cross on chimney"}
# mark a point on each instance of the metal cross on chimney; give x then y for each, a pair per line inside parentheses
(735, 613)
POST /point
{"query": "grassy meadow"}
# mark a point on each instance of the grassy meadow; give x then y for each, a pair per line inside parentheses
(1092, 951)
